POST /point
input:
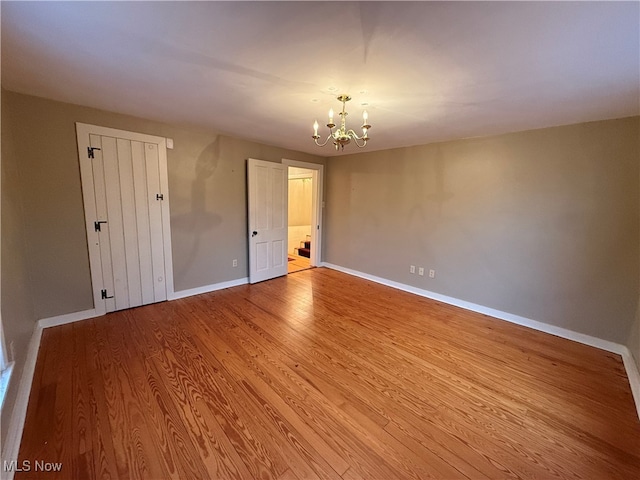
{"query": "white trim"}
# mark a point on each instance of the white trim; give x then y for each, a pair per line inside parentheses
(18, 415)
(166, 217)
(5, 378)
(68, 318)
(4, 355)
(209, 288)
(543, 327)
(633, 375)
(300, 176)
(86, 314)
(317, 206)
(88, 199)
(92, 313)
(117, 133)
(623, 351)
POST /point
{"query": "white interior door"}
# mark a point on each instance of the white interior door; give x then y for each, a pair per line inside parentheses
(268, 232)
(126, 210)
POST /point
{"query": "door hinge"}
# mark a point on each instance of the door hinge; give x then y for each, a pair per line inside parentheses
(159, 196)
(90, 151)
(103, 293)
(96, 225)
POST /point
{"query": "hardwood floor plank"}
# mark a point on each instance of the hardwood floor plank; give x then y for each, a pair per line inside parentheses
(217, 402)
(103, 453)
(510, 446)
(336, 428)
(406, 400)
(307, 441)
(185, 398)
(229, 382)
(529, 401)
(135, 448)
(41, 416)
(288, 475)
(324, 375)
(84, 427)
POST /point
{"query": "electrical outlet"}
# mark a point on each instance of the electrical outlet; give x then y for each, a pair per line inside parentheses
(235, 262)
(412, 269)
(432, 274)
(421, 271)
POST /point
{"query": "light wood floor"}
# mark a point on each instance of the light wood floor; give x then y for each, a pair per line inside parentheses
(324, 375)
(298, 263)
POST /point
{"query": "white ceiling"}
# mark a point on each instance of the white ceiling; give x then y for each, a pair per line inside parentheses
(430, 71)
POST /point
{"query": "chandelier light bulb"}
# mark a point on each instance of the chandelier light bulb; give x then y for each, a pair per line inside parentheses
(331, 115)
(365, 116)
(315, 128)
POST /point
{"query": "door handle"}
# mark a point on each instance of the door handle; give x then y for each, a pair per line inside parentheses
(254, 233)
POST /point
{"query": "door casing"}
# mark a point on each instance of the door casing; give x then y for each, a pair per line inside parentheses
(317, 205)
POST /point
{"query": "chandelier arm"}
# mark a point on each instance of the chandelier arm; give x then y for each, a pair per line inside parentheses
(351, 133)
(364, 142)
(325, 142)
(354, 135)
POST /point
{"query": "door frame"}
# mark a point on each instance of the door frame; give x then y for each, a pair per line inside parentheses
(317, 206)
(83, 131)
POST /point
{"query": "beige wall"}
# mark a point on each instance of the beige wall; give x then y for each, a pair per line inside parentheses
(207, 187)
(300, 209)
(209, 211)
(542, 224)
(634, 335)
(18, 317)
(300, 204)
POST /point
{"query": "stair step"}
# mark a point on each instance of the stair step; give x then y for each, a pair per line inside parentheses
(304, 252)
(307, 244)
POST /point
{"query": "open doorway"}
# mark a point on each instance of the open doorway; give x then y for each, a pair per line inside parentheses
(300, 217)
(305, 214)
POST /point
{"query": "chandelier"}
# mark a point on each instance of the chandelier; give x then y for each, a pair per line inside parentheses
(341, 136)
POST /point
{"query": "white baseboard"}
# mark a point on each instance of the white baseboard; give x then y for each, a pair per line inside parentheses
(11, 447)
(86, 314)
(623, 351)
(633, 375)
(68, 318)
(209, 288)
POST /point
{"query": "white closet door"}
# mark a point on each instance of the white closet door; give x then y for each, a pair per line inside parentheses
(124, 209)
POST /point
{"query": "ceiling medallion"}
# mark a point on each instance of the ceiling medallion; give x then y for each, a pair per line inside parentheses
(341, 136)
